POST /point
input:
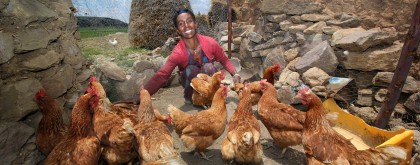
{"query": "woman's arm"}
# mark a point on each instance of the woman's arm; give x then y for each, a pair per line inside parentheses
(162, 76)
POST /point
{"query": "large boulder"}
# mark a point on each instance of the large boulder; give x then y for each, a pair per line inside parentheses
(151, 22)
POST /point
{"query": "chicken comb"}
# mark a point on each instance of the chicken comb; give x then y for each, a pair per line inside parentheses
(222, 75)
(278, 66)
(224, 87)
(246, 84)
(263, 81)
(142, 87)
(92, 79)
(41, 93)
(304, 90)
(90, 90)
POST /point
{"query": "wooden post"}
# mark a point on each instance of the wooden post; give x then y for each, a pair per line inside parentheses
(401, 72)
(229, 12)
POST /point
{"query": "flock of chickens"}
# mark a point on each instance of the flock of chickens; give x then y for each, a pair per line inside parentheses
(103, 132)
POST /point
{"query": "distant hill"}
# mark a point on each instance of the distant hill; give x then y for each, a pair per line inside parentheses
(84, 21)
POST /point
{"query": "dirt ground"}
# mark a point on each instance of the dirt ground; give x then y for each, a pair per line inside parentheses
(174, 96)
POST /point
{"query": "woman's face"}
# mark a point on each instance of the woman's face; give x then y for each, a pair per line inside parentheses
(186, 26)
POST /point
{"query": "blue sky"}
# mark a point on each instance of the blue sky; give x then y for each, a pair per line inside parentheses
(120, 9)
(200, 6)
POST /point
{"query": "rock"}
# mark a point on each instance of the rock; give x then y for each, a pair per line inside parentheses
(255, 37)
(41, 59)
(368, 114)
(380, 95)
(385, 59)
(315, 77)
(140, 66)
(383, 79)
(291, 7)
(352, 22)
(11, 96)
(319, 88)
(112, 70)
(276, 18)
(315, 17)
(14, 136)
(291, 54)
(315, 28)
(269, 44)
(413, 103)
(285, 94)
(275, 57)
(357, 39)
(285, 25)
(293, 79)
(6, 47)
(364, 97)
(296, 19)
(330, 29)
(297, 28)
(322, 57)
(58, 80)
(310, 41)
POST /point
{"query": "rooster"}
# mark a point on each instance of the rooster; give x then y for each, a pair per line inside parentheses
(154, 141)
(205, 87)
(198, 131)
(243, 133)
(80, 146)
(113, 41)
(284, 122)
(269, 76)
(114, 132)
(51, 128)
(323, 145)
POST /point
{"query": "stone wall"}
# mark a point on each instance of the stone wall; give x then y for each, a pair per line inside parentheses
(38, 49)
(310, 41)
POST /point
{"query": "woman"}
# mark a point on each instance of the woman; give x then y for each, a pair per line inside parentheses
(193, 54)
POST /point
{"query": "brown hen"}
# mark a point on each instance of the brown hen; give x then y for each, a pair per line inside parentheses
(269, 76)
(51, 128)
(243, 133)
(204, 88)
(198, 131)
(323, 145)
(154, 141)
(80, 146)
(114, 132)
(284, 122)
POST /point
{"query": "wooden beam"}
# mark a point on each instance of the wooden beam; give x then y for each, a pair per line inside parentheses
(401, 72)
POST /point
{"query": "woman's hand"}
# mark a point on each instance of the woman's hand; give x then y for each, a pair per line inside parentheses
(236, 78)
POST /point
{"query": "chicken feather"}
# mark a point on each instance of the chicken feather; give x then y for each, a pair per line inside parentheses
(154, 141)
(242, 141)
(323, 145)
(198, 131)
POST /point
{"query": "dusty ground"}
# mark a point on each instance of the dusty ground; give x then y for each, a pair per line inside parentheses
(173, 95)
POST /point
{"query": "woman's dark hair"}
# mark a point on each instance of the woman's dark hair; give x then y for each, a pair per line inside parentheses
(180, 12)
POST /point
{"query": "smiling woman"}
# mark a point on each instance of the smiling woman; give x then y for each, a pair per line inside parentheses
(194, 53)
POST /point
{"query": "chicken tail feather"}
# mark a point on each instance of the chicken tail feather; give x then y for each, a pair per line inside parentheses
(395, 154)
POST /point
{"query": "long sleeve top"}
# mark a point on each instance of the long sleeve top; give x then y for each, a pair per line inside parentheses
(179, 58)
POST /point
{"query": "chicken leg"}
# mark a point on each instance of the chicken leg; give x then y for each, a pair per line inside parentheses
(204, 156)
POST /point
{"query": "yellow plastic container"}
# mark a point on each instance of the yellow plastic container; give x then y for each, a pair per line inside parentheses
(365, 136)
